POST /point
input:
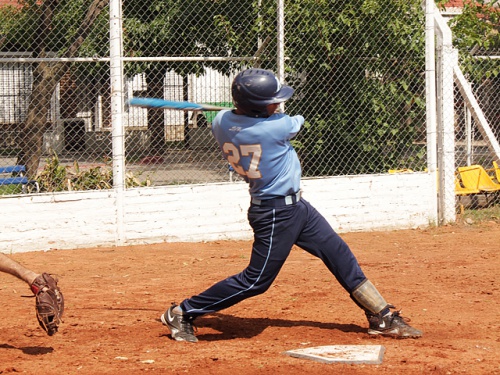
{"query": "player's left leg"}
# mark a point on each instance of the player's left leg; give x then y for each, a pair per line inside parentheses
(273, 240)
(271, 247)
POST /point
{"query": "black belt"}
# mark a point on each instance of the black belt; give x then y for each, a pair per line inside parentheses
(277, 202)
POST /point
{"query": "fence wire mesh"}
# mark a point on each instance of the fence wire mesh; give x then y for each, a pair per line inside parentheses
(477, 102)
(358, 68)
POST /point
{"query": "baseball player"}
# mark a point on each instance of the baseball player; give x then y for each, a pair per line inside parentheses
(49, 300)
(255, 140)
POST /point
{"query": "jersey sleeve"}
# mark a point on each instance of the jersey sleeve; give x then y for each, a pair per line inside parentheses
(296, 124)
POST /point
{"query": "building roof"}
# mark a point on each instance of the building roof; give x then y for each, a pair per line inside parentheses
(454, 4)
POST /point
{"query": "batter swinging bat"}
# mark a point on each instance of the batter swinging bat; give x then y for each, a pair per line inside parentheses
(172, 104)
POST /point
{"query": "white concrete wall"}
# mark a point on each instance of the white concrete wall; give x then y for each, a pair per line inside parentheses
(193, 213)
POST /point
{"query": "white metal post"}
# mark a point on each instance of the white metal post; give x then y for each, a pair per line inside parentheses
(446, 135)
(281, 43)
(117, 109)
(447, 59)
(468, 134)
(430, 88)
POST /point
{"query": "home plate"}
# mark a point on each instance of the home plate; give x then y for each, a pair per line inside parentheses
(353, 354)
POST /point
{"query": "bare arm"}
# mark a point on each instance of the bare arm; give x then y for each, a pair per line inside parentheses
(13, 268)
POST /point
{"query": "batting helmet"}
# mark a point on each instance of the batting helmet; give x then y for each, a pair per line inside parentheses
(254, 89)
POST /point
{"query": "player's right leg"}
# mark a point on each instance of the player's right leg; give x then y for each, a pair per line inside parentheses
(391, 325)
(319, 239)
(382, 321)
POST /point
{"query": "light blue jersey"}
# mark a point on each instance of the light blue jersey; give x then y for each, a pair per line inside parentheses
(259, 150)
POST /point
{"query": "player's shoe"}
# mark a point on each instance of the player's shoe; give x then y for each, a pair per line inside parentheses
(180, 326)
(391, 325)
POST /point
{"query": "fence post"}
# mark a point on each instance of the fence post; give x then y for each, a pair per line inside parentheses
(430, 88)
(446, 137)
(280, 53)
(117, 109)
(446, 61)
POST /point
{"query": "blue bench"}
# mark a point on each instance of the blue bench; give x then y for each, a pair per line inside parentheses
(19, 179)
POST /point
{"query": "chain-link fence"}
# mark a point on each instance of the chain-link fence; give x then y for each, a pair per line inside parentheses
(469, 60)
(481, 69)
(358, 68)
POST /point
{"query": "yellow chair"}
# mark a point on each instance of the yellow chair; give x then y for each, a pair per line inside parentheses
(497, 171)
(393, 171)
(470, 177)
(462, 190)
(476, 177)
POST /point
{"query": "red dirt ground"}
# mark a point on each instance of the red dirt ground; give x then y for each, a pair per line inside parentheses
(445, 279)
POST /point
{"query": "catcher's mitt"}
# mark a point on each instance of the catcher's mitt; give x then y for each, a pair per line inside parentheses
(49, 303)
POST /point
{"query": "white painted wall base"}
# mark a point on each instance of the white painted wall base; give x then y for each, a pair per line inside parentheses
(195, 213)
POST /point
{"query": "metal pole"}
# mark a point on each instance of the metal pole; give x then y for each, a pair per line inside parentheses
(430, 87)
(117, 109)
(446, 63)
(280, 53)
(468, 134)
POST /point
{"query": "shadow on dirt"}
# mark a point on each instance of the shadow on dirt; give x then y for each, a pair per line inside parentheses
(30, 350)
(231, 327)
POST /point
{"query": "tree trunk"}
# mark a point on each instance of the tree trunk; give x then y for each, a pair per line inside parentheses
(156, 118)
(46, 76)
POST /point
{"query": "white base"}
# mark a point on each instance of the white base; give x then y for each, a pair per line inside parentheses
(352, 354)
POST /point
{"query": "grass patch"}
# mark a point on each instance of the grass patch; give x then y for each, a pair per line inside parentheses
(491, 213)
(10, 189)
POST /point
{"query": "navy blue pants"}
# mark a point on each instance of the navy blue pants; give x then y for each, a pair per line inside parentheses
(276, 230)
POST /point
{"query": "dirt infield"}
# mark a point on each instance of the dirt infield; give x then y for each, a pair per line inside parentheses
(446, 279)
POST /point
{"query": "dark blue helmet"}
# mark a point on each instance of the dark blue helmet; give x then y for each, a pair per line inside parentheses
(254, 89)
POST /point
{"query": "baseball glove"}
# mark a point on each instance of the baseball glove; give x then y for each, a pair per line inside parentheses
(49, 303)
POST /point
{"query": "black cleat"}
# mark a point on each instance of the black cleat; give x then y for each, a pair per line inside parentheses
(392, 325)
(180, 326)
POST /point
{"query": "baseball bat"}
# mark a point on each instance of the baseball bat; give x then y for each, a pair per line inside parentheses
(173, 104)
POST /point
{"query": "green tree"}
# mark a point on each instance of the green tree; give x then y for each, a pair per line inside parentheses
(185, 28)
(357, 65)
(476, 35)
(360, 83)
(45, 28)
